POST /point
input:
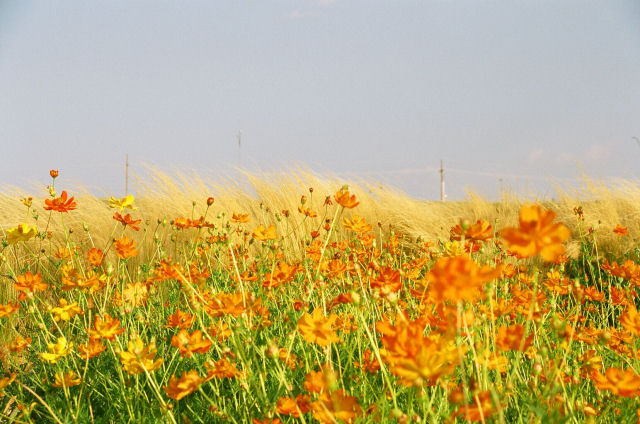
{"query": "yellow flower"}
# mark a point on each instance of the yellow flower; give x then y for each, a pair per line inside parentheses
(263, 234)
(125, 202)
(68, 379)
(140, 357)
(65, 311)
(188, 383)
(57, 350)
(5, 381)
(22, 232)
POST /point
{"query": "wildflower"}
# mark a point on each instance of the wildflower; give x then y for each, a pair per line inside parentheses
(126, 248)
(619, 382)
(346, 199)
(27, 201)
(480, 231)
(95, 257)
(140, 357)
(135, 294)
(180, 319)
(125, 202)
(94, 347)
(22, 232)
(334, 406)
(27, 284)
(537, 234)
(294, 407)
(240, 218)
(68, 379)
(387, 279)
(264, 234)
(19, 343)
(54, 173)
(5, 381)
(314, 382)
(222, 369)
(185, 385)
(60, 204)
(459, 278)
(512, 338)
(128, 220)
(188, 344)
(620, 230)
(630, 320)
(316, 328)
(8, 309)
(57, 350)
(106, 328)
(356, 224)
(282, 273)
(65, 311)
(479, 410)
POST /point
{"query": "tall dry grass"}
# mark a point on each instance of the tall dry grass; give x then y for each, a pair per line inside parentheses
(161, 196)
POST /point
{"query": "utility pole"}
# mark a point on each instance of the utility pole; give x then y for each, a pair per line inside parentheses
(239, 148)
(126, 176)
(442, 195)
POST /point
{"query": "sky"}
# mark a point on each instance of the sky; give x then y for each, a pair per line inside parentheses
(505, 93)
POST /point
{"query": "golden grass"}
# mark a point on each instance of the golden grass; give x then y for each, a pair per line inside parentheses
(160, 196)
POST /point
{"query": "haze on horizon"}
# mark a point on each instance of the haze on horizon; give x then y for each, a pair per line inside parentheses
(505, 93)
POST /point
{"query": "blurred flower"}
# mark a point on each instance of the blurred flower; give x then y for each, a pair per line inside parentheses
(263, 234)
(620, 230)
(140, 357)
(106, 328)
(8, 309)
(128, 220)
(356, 224)
(125, 202)
(459, 278)
(537, 234)
(95, 257)
(27, 284)
(65, 311)
(240, 218)
(94, 347)
(185, 385)
(334, 406)
(68, 379)
(316, 328)
(346, 199)
(180, 319)
(57, 350)
(22, 232)
(5, 381)
(188, 344)
(54, 173)
(619, 382)
(126, 248)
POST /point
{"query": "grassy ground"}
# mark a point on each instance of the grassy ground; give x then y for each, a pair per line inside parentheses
(288, 302)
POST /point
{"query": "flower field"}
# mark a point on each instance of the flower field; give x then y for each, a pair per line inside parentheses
(318, 304)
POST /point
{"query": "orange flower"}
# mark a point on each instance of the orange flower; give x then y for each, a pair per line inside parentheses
(294, 407)
(356, 224)
(185, 385)
(387, 279)
(188, 344)
(459, 278)
(180, 319)
(537, 234)
(317, 328)
(19, 343)
(106, 328)
(93, 348)
(630, 320)
(8, 309)
(240, 218)
(619, 382)
(480, 231)
(512, 338)
(60, 204)
(334, 406)
(126, 248)
(5, 381)
(27, 284)
(128, 220)
(346, 199)
(479, 410)
(68, 379)
(264, 234)
(222, 369)
(54, 173)
(95, 257)
(620, 230)
(283, 273)
(140, 358)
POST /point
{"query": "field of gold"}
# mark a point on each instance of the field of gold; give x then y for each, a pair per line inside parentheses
(295, 298)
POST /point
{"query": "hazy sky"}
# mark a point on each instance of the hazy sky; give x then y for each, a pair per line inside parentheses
(496, 89)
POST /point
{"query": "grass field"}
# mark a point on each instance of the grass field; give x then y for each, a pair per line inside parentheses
(295, 298)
